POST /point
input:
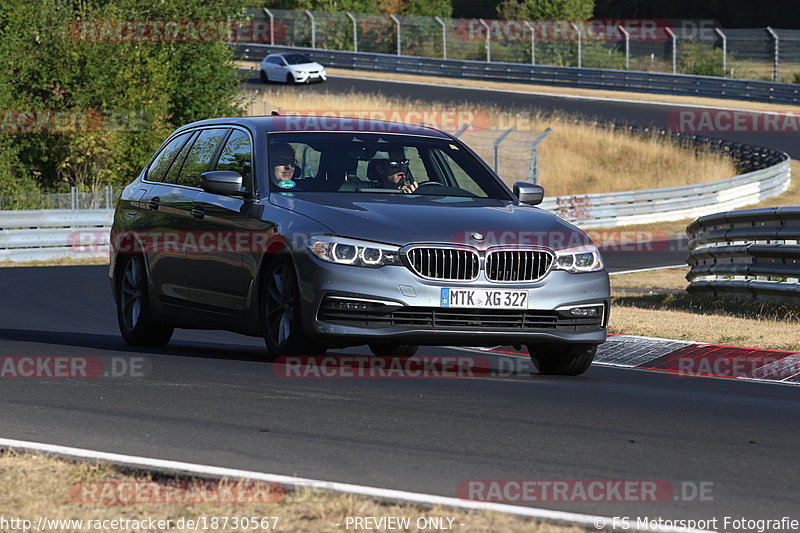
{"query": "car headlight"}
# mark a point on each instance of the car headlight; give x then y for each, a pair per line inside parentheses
(346, 251)
(579, 259)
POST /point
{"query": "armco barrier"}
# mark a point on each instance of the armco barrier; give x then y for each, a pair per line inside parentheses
(585, 78)
(751, 253)
(671, 203)
(44, 235)
(47, 234)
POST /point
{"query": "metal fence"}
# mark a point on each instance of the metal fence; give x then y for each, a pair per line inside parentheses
(687, 47)
(102, 199)
(587, 78)
(749, 254)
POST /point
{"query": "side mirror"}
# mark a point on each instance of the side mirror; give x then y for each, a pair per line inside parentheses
(528, 193)
(225, 182)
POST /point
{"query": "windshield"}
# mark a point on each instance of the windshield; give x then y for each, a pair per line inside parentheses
(296, 59)
(371, 163)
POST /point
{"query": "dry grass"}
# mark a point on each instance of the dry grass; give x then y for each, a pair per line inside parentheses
(65, 261)
(557, 91)
(655, 304)
(575, 159)
(36, 485)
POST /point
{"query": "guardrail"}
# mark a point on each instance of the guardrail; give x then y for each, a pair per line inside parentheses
(586, 78)
(751, 253)
(44, 235)
(769, 175)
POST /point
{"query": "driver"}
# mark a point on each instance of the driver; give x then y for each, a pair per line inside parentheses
(393, 172)
(282, 161)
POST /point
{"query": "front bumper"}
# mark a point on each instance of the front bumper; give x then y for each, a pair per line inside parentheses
(305, 77)
(409, 309)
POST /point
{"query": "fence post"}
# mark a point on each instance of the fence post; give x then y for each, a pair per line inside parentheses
(496, 148)
(674, 49)
(355, 30)
(397, 22)
(724, 52)
(444, 36)
(271, 26)
(461, 130)
(313, 28)
(580, 44)
(627, 46)
(777, 40)
(488, 41)
(533, 168)
(73, 198)
(109, 197)
(533, 42)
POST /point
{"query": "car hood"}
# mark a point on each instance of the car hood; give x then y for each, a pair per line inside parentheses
(307, 66)
(405, 219)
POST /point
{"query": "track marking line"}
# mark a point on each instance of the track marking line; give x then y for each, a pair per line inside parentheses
(590, 521)
(648, 269)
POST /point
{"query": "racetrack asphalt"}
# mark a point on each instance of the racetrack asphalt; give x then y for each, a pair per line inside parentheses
(206, 398)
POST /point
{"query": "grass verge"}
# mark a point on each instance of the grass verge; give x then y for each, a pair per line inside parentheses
(64, 261)
(655, 304)
(36, 486)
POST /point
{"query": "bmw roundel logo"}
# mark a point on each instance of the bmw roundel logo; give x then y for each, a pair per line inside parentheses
(478, 236)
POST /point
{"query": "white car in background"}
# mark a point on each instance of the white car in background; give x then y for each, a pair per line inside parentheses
(291, 67)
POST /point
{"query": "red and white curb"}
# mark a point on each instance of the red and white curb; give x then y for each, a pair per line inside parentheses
(694, 359)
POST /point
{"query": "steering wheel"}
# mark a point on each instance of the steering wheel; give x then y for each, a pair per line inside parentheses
(424, 183)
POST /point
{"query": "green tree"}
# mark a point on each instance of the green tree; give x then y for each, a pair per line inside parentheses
(546, 9)
(129, 93)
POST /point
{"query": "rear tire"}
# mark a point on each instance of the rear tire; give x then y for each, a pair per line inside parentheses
(263, 76)
(562, 359)
(393, 350)
(133, 306)
(280, 312)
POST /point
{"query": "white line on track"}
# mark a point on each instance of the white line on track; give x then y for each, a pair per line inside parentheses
(567, 96)
(589, 521)
(648, 269)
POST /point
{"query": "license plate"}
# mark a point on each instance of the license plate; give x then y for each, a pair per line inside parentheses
(485, 298)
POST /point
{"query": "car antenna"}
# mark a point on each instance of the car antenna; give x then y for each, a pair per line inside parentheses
(275, 114)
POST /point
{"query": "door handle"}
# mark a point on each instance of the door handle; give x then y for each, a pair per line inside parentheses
(197, 212)
(154, 203)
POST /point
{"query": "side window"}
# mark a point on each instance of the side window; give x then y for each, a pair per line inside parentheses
(237, 155)
(158, 168)
(199, 157)
(177, 163)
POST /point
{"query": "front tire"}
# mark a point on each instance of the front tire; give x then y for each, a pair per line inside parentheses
(133, 307)
(562, 359)
(290, 79)
(393, 350)
(280, 312)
